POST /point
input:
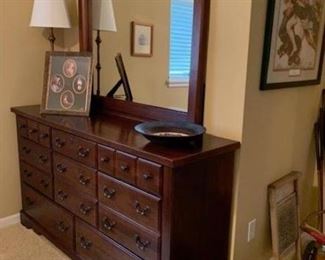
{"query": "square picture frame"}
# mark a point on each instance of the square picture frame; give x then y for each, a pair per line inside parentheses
(67, 86)
(293, 44)
(141, 39)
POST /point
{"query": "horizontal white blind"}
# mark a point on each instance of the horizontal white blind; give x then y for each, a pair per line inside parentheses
(181, 27)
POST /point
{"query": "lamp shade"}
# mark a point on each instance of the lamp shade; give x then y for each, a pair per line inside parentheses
(50, 13)
(103, 15)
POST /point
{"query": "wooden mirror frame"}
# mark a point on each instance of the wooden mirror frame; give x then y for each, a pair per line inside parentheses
(196, 91)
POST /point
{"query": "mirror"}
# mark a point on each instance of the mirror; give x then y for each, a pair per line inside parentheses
(150, 101)
(149, 72)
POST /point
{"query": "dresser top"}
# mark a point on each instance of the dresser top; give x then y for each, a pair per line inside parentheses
(119, 133)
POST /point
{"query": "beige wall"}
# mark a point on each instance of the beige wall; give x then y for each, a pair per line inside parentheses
(147, 75)
(22, 52)
(275, 127)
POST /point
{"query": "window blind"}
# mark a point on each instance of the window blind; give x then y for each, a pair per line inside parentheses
(181, 27)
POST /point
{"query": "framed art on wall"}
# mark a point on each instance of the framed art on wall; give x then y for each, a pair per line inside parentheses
(141, 39)
(67, 83)
(293, 43)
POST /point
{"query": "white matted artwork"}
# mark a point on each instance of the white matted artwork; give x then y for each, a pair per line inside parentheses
(141, 39)
(284, 214)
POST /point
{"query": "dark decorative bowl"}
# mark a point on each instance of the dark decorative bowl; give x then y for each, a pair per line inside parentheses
(171, 132)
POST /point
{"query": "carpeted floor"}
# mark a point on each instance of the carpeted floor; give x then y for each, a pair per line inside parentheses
(19, 243)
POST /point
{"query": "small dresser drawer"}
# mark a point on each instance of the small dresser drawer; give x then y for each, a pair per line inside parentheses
(36, 155)
(91, 244)
(33, 131)
(22, 126)
(81, 177)
(142, 242)
(83, 206)
(37, 179)
(149, 176)
(133, 203)
(125, 167)
(106, 158)
(74, 147)
(57, 221)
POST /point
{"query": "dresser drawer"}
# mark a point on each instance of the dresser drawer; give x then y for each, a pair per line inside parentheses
(125, 167)
(90, 244)
(36, 155)
(81, 177)
(142, 242)
(74, 147)
(57, 221)
(22, 127)
(133, 203)
(37, 179)
(106, 159)
(83, 206)
(149, 176)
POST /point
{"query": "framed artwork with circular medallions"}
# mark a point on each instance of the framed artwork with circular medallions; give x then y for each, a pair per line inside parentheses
(67, 83)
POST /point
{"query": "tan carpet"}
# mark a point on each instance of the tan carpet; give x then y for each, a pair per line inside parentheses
(19, 243)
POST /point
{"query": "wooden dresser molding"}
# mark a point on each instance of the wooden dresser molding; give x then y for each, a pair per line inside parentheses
(99, 190)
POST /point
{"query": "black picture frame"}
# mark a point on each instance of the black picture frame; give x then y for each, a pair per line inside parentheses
(67, 86)
(294, 76)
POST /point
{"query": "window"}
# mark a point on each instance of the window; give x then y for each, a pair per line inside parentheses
(181, 26)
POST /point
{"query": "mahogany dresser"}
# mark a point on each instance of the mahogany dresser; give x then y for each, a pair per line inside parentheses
(99, 190)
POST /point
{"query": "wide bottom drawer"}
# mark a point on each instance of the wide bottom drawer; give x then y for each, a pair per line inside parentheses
(139, 240)
(57, 221)
(91, 244)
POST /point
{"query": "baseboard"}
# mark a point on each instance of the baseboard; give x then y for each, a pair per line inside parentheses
(10, 220)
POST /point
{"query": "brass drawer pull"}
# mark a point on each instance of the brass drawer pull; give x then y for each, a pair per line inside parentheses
(84, 210)
(27, 173)
(22, 126)
(124, 168)
(109, 193)
(43, 135)
(140, 210)
(60, 168)
(142, 245)
(147, 176)
(104, 159)
(107, 224)
(61, 195)
(26, 150)
(83, 180)
(44, 183)
(83, 152)
(32, 130)
(62, 227)
(59, 143)
(84, 243)
(43, 158)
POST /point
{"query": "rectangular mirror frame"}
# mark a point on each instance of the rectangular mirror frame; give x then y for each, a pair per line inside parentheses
(144, 112)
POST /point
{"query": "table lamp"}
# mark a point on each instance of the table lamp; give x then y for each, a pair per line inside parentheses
(50, 14)
(103, 19)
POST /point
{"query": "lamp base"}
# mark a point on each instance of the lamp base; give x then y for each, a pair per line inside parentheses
(51, 38)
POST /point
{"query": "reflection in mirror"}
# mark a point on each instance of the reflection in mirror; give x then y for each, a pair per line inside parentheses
(160, 79)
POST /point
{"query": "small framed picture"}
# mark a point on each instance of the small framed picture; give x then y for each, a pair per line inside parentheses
(67, 83)
(293, 44)
(141, 39)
